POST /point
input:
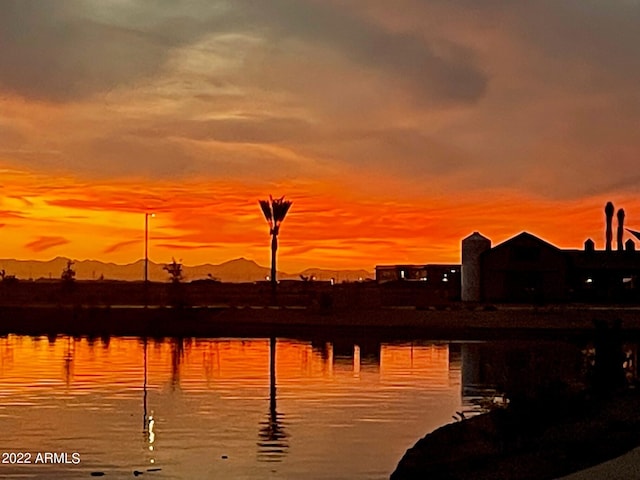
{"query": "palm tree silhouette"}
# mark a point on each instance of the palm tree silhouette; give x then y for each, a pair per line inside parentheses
(274, 212)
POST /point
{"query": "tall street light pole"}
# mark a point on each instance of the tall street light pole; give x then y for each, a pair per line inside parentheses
(146, 256)
(146, 245)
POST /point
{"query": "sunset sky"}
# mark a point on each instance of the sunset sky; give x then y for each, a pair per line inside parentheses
(396, 128)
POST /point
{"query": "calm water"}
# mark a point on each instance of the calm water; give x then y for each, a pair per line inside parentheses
(210, 408)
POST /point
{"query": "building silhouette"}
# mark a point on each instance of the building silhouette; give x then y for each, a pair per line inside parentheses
(529, 269)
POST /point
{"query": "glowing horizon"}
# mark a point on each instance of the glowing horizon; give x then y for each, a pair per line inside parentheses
(106, 222)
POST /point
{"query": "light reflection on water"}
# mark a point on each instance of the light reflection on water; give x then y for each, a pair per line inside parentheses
(222, 408)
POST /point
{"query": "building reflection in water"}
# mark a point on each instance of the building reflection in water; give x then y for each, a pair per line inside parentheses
(6, 354)
(354, 354)
(356, 360)
(328, 354)
(272, 443)
(211, 361)
(492, 371)
(177, 356)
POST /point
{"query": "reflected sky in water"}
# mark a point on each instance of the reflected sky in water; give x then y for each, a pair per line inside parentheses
(222, 408)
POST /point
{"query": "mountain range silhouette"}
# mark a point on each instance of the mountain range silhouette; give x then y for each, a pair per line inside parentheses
(236, 270)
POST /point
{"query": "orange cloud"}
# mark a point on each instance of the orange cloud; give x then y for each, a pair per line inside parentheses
(177, 246)
(8, 214)
(45, 243)
(331, 225)
(120, 245)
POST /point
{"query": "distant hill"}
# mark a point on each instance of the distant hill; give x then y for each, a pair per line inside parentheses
(237, 270)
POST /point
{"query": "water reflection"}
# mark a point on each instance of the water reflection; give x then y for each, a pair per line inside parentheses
(148, 422)
(145, 424)
(177, 356)
(6, 354)
(68, 360)
(211, 361)
(528, 370)
(354, 353)
(342, 409)
(272, 444)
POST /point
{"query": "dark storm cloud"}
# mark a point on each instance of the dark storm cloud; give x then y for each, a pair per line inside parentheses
(596, 33)
(64, 51)
(448, 75)
(562, 113)
(50, 51)
(67, 50)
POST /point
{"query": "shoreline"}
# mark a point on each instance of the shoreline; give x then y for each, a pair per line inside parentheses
(451, 322)
(573, 439)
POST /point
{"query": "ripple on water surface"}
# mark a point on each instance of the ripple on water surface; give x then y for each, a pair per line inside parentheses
(213, 408)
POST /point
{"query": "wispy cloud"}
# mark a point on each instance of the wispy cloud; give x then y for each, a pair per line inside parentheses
(120, 245)
(45, 243)
(185, 246)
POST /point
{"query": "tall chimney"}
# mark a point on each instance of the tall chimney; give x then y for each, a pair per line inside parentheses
(620, 230)
(608, 211)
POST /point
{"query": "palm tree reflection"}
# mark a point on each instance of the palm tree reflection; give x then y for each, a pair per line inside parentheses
(272, 443)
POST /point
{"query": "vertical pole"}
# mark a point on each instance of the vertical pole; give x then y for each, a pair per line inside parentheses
(273, 416)
(145, 424)
(145, 292)
(146, 246)
(274, 248)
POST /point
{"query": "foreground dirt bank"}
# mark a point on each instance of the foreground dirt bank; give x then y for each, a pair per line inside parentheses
(545, 442)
